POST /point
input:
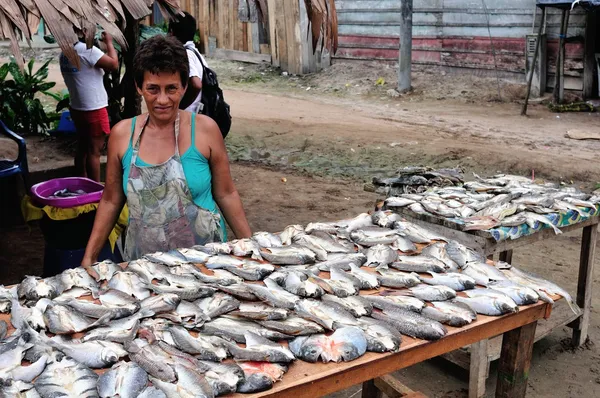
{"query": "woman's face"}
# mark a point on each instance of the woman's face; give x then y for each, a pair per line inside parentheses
(163, 93)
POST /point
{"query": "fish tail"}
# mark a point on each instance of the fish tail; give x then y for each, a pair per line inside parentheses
(573, 305)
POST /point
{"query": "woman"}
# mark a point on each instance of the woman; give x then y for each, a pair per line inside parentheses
(172, 198)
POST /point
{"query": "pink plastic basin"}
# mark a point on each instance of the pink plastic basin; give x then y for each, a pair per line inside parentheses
(41, 192)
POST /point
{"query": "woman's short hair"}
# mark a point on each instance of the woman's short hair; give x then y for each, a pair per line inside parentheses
(161, 54)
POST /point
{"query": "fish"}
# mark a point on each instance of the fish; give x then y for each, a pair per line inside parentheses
(22, 317)
(326, 227)
(93, 354)
(34, 288)
(152, 359)
(419, 263)
(3, 329)
(414, 233)
(395, 201)
(403, 244)
(19, 389)
(337, 275)
(130, 283)
(240, 291)
(171, 258)
(79, 277)
(438, 250)
(120, 330)
(67, 378)
(217, 276)
(381, 255)
(342, 261)
(521, 294)
(260, 349)
(194, 256)
(462, 255)
(123, 380)
(292, 254)
(223, 378)
(160, 303)
(368, 280)
(149, 271)
(216, 305)
(417, 208)
(113, 298)
(289, 232)
(381, 336)
(293, 326)
(5, 300)
(328, 315)
(260, 312)
(340, 288)
(359, 222)
(267, 239)
(483, 273)
(214, 248)
(312, 244)
(187, 314)
(533, 219)
(106, 269)
(345, 344)
(152, 392)
(398, 279)
(98, 311)
(543, 287)
(489, 302)
(73, 293)
(385, 218)
(25, 373)
(479, 223)
(455, 314)
(356, 305)
(260, 376)
(274, 295)
(205, 347)
(371, 236)
(12, 353)
(245, 248)
(298, 284)
(581, 203)
(453, 280)
(565, 207)
(412, 324)
(233, 328)
(190, 384)
(499, 212)
(401, 302)
(247, 269)
(432, 292)
(185, 293)
(60, 319)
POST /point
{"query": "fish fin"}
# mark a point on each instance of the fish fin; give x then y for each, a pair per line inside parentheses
(253, 339)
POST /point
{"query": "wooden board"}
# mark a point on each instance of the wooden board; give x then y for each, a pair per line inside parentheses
(241, 56)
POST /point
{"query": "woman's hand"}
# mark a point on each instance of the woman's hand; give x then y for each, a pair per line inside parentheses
(91, 271)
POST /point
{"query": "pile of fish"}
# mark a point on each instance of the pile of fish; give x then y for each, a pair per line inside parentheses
(503, 200)
(232, 317)
(414, 180)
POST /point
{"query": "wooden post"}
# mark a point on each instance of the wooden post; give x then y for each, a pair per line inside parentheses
(559, 80)
(584, 283)
(589, 59)
(533, 62)
(515, 360)
(132, 101)
(369, 390)
(405, 60)
(506, 256)
(478, 371)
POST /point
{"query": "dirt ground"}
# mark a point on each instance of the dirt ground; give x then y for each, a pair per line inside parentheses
(326, 134)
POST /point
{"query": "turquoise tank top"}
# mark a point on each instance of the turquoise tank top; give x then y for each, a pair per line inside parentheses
(196, 170)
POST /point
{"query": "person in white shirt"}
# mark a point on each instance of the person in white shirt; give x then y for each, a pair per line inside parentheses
(89, 102)
(184, 28)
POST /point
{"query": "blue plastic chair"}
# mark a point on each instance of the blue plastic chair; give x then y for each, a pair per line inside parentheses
(65, 125)
(19, 166)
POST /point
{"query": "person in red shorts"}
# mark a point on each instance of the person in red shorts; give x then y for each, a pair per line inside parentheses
(89, 102)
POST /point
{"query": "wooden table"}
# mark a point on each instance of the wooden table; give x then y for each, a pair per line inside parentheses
(484, 243)
(315, 380)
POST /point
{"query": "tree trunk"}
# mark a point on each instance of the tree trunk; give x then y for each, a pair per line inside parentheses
(133, 102)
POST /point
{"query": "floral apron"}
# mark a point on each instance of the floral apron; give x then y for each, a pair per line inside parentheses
(162, 213)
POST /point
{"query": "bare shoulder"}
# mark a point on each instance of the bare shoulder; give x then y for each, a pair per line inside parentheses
(209, 128)
(120, 135)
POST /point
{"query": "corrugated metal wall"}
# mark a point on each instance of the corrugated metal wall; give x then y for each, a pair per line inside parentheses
(455, 33)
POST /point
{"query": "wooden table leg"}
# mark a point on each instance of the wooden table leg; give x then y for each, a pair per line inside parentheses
(584, 283)
(506, 256)
(369, 390)
(478, 371)
(515, 360)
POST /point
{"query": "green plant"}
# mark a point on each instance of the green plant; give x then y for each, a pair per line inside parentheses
(21, 109)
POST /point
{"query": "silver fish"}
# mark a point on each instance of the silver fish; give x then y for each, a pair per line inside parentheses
(25, 373)
(342, 261)
(185, 293)
(157, 329)
(455, 314)
(581, 203)
(129, 283)
(3, 329)
(274, 295)
(124, 380)
(341, 288)
(359, 222)
(398, 279)
(61, 319)
(78, 277)
(205, 347)
(404, 245)
(234, 328)
(432, 292)
(566, 206)
(381, 255)
(328, 315)
(400, 302)
(106, 269)
(152, 359)
(12, 353)
(97, 311)
(218, 304)
(67, 378)
(170, 258)
(522, 295)
(94, 354)
(461, 255)
(330, 228)
(160, 303)
(420, 263)
(395, 201)
(260, 312)
(73, 293)
(412, 324)
(342, 276)
(260, 376)
(267, 239)
(533, 219)
(453, 280)
(381, 336)
(223, 378)
(260, 349)
(152, 392)
(18, 389)
(438, 250)
(190, 384)
(247, 269)
(194, 256)
(187, 314)
(298, 284)
(311, 243)
(148, 270)
(347, 344)
(289, 232)
(356, 305)
(385, 218)
(483, 273)
(245, 248)
(293, 326)
(488, 302)
(120, 331)
(217, 276)
(414, 233)
(292, 254)
(241, 291)
(113, 298)
(371, 236)
(34, 288)
(214, 248)
(368, 280)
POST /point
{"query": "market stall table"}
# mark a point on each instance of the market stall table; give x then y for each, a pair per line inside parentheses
(503, 241)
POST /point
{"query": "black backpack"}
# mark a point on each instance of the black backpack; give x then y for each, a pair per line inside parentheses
(213, 103)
